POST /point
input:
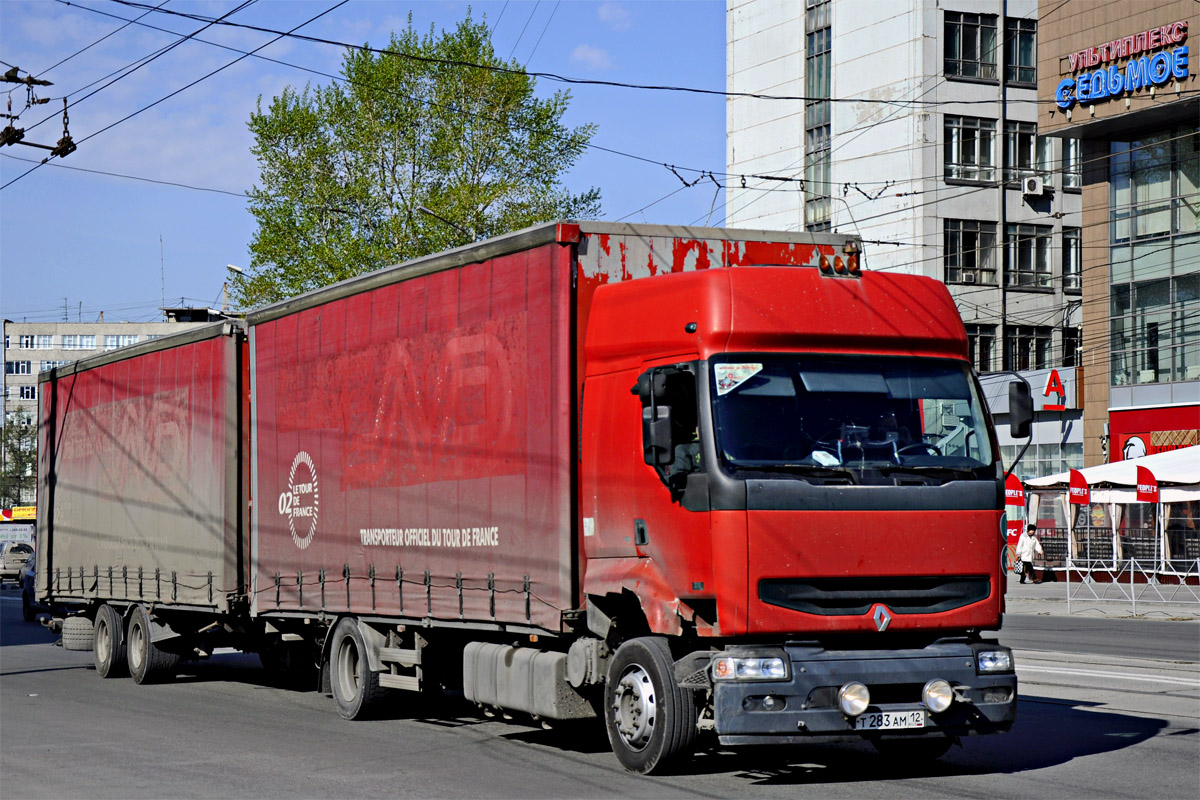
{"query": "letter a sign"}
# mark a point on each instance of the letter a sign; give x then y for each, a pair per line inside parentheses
(1147, 486)
(1080, 494)
(1054, 385)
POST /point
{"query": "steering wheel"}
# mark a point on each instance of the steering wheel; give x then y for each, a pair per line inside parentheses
(927, 447)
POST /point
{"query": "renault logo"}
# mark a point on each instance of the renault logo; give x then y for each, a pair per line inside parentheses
(882, 618)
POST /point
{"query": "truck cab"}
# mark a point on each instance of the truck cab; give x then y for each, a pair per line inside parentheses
(795, 467)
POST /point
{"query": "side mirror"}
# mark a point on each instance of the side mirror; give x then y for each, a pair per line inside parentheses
(656, 436)
(652, 382)
(1020, 410)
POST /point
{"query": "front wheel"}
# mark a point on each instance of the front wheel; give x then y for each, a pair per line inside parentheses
(108, 643)
(147, 662)
(651, 721)
(356, 688)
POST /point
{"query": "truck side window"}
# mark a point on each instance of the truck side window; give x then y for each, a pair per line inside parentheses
(677, 392)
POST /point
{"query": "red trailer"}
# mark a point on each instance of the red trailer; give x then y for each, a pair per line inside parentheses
(693, 481)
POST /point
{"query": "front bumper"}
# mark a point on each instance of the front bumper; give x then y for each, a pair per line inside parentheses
(804, 707)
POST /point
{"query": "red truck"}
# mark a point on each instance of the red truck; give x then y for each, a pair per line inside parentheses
(696, 482)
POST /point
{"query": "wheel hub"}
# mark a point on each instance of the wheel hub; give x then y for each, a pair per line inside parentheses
(635, 709)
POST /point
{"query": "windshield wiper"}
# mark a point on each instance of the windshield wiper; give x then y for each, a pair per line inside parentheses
(815, 470)
(930, 470)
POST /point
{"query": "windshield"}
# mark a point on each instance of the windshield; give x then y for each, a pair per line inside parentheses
(847, 414)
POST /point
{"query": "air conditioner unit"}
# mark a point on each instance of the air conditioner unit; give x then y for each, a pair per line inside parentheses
(968, 277)
(1033, 185)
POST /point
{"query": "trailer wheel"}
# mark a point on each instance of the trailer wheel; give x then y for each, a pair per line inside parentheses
(651, 721)
(77, 633)
(108, 643)
(907, 751)
(147, 662)
(356, 688)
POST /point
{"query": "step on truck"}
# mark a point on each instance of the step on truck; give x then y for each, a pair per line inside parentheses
(704, 485)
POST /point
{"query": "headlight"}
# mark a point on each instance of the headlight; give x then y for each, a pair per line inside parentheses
(853, 698)
(752, 668)
(994, 661)
(937, 695)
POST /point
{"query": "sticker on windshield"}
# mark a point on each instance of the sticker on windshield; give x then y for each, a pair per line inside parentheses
(731, 376)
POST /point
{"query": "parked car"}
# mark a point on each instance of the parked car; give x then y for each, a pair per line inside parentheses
(14, 557)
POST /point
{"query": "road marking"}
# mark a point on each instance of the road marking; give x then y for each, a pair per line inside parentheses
(1098, 674)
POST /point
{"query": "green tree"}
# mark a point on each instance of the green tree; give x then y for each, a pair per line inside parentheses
(18, 463)
(345, 169)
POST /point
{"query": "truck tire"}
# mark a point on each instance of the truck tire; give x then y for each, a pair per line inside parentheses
(651, 721)
(915, 750)
(108, 643)
(77, 633)
(147, 662)
(27, 607)
(356, 688)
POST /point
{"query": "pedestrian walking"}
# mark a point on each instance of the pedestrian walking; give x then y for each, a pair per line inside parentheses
(1028, 548)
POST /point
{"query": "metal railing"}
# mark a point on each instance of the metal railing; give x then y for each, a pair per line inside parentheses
(1132, 581)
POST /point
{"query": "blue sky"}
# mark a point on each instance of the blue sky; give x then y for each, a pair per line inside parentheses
(76, 243)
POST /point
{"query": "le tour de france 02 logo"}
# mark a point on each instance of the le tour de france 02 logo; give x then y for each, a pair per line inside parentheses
(299, 503)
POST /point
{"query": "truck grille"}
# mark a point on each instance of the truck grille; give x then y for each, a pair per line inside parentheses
(851, 596)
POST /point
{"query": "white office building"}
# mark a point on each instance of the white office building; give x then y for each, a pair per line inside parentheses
(914, 125)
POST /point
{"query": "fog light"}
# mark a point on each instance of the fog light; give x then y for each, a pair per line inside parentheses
(853, 698)
(997, 694)
(937, 695)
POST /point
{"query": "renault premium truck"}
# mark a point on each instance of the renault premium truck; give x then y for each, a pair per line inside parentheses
(694, 482)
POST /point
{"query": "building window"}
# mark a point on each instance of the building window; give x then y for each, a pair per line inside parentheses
(1027, 256)
(1154, 259)
(1072, 164)
(1155, 331)
(1072, 343)
(1020, 51)
(1072, 266)
(1155, 186)
(36, 342)
(970, 49)
(970, 251)
(52, 364)
(16, 368)
(817, 129)
(817, 205)
(981, 347)
(29, 393)
(79, 342)
(970, 148)
(1025, 153)
(112, 342)
(1027, 347)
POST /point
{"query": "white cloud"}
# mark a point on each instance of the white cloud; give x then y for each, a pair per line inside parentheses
(593, 57)
(614, 16)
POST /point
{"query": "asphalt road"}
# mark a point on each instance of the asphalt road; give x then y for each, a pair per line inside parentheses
(1094, 722)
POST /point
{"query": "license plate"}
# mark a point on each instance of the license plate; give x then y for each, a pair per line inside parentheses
(890, 720)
